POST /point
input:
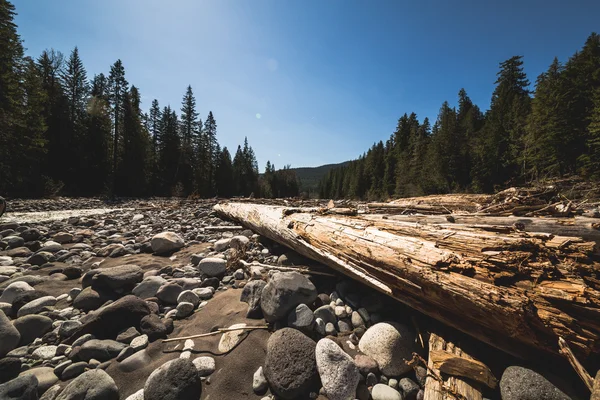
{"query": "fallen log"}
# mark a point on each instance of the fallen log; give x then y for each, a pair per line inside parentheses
(438, 387)
(580, 227)
(512, 290)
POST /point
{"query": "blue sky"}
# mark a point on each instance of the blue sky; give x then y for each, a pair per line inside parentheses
(310, 82)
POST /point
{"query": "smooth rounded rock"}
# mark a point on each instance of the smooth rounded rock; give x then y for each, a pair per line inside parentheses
(45, 377)
(519, 383)
(212, 267)
(9, 368)
(109, 321)
(169, 292)
(9, 335)
(284, 292)
(36, 306)
(166, 242)
(175, 380)
(230, 339)
(384, 392)
(95, 384)
(222, 244)
(154, 327)
(251, 294)
(148, 287)
(123, 277)
(259, 382)
(205, 365)
(339, 375)
(290, 366)
(301, 318)
(21, 388)
(189, 297)
(14, 289)
(389, 344)
(31, 327)
(101, 350)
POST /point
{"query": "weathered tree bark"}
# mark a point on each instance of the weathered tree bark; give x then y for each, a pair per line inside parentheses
(453, 387)
(512, 290)
(596, 388)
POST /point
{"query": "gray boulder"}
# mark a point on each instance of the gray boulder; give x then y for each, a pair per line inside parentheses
(88, 299)
(32, 327)
(290, 365)
(9, 335)
(326, 313)
(519, 383)
(389, 343)
(166, 242)
(301, 318)
(174, 380)
(169, 292)
(339, 375)
(148, 287)
(37, 305)
(109, 321)
(21, 388)
(284, 292)
(123, 277)
(13, 290)
(213, 267)
(91, 385)
(251, 294)
(45, 377)
(101, 350)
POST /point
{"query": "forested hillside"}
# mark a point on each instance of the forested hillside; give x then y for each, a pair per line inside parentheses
(524, 136)
(61, 132)
(309, 177)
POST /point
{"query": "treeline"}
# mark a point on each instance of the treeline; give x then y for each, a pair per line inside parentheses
(62, 133)
(523, 137)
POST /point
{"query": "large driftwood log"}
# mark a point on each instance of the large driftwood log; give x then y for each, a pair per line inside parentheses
(451, 388)
(513, 290)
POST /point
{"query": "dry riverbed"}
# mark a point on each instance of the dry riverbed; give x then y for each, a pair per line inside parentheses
(89, 292)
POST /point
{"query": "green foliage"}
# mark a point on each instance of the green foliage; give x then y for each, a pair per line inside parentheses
(519, 139)
(280, 183)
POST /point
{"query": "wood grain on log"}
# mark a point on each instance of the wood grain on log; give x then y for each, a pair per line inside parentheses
(512, 290)
(596, 388)
(452, 387)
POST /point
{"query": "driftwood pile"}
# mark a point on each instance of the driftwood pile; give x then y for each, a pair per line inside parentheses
(517, 270)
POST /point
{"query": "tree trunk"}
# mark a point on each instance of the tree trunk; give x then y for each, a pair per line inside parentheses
(513, 290)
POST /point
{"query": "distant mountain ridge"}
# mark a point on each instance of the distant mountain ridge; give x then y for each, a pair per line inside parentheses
(310, 177)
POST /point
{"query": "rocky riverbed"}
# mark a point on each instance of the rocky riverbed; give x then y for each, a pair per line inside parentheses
(87, 299)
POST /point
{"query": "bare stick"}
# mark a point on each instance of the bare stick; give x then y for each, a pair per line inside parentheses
(565, 350)
(221, 228)
(304, 270)
(220, 330)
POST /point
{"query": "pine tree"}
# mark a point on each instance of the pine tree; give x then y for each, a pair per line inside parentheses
(590, 160)
(153, 122)
(97, 163)
(212, 151)
(11, 53)
(136, 148)
(502, 142)
(76, 86)
(224, 175)
(190, 130)
(547, 129)
(582, 74)
(30, 134)
(117, 88)
(169, 153)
